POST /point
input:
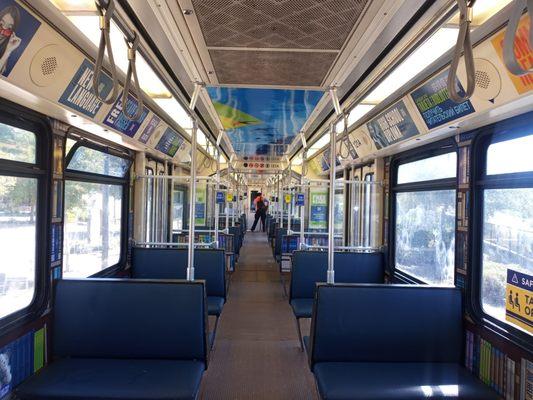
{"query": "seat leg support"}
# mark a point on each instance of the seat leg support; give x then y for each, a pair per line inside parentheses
(215, 332)
(300, 334)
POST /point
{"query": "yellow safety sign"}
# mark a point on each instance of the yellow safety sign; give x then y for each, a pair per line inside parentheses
(287, 198)
(519, 299)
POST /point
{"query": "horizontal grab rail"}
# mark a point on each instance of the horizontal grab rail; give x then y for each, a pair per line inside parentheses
(364, 249)
(225, 230)
(291, 232)
(174, 244)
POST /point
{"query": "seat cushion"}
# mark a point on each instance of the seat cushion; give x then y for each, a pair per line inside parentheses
(82, 378)
(373, 381)
(302, 308)
(215, 305)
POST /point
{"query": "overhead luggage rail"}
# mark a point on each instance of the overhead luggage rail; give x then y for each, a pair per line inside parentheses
(132, 74)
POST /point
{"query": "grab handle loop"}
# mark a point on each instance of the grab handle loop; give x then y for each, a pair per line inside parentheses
(509, 56)
(106, 14)
(463, 45)
(132, 74)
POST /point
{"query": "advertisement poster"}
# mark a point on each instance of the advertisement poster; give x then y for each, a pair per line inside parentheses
(17, 28)
(263, 121)
(434, 103)
(199, 214)
(391, 126)
(17, 362)
(117, 120)
(523, 53)
(169, 143)
(318, 204)
(220, 198)
(149, 129)
(79, 94)
(300, 199)
(519, 299)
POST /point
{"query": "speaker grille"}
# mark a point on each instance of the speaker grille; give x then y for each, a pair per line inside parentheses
(482, 79)
(49, 65)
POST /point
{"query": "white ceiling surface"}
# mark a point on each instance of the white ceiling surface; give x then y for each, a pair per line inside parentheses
(272, 43)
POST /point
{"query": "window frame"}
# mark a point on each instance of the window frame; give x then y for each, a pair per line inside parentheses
(434, 149)
(88, 177)
(480, 181)
(23, 118)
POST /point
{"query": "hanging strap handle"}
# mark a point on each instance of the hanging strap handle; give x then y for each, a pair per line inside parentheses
(463, 45)
(132, 74)
(106, 14)
(509, 56)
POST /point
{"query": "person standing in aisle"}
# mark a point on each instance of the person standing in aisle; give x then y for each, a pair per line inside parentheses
(260, 211)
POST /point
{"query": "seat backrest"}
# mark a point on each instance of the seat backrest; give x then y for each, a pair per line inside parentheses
(126, 318)
(279, 234)
(310, 267)
(386, 323)
(236, 232)
(154, 263)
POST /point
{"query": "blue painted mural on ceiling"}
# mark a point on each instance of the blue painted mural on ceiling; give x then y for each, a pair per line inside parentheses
(262, 121)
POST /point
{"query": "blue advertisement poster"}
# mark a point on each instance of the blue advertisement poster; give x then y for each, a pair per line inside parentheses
(79, 94)
(16, 363)
(169, 143)
(149, 129)
(263, 121)
(17, 28)
(434, 103)
(300, 200)
(220, 198)
(391, 126)
(116, 119)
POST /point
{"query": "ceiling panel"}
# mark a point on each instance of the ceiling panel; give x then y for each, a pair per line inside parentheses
(271, 67)
(299, 24)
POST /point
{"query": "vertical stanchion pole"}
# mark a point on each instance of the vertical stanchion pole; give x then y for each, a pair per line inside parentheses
(217, 187)
(302, 208)
(280, 209)
(192, 202)
(331, 205)
(289, 205)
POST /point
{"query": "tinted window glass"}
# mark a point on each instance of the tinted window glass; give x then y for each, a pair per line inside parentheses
(425, 235)
(93, 223)
(510, 156)
(18, 219)
(93, 161)
(17, 144)
(428, 169)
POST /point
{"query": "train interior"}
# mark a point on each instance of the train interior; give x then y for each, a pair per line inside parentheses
(266, 199)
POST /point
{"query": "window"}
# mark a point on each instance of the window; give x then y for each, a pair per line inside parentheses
(149, 210)
(504, 197)
(21, 189)
(424, 234)
(94, 206)
(178, 201)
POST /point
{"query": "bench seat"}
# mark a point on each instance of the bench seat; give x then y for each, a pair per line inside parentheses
(82, 378)
(302, 308)
(398, 381)
(215, 305)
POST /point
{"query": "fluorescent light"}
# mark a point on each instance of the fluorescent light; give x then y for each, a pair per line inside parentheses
(483, 10)
(321, 142)
(433, 48)
(75, 5)
(174, 109)
(148, 80)
(339, 127)
(358, 112)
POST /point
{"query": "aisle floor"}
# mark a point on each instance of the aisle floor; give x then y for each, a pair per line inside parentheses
(256, 354)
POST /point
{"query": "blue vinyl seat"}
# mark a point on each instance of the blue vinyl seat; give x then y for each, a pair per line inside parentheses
(310, 267)
(134, 339)
(390, 342)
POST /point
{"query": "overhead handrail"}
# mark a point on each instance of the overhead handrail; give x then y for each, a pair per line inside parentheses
(463, 46)
(106, 14)
(132, 74)
(509, 56)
